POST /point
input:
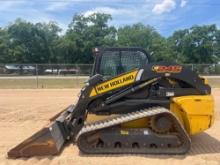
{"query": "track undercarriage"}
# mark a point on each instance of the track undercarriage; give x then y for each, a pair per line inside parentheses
(109, 136)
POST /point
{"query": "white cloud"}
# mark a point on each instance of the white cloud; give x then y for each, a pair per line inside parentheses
(107, 10)
(54, 6)
(131, 14)
(164, 7)
(183, 3)
(6, 5)
(62, 11)
(24, 9)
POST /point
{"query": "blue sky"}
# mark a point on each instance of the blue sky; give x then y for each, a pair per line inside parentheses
(165, 16)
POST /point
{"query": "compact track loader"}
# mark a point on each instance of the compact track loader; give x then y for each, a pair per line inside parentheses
(129, 105)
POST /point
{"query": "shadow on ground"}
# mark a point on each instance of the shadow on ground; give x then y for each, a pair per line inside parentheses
(201, 144)
(204, 144)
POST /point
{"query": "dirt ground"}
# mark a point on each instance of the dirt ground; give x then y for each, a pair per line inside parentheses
(24, 111)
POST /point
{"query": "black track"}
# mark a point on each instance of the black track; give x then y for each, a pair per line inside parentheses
(116, 140)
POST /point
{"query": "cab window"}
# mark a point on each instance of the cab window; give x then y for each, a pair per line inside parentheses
(114, 63)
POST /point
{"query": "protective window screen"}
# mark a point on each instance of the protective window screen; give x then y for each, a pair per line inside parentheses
(114, 63)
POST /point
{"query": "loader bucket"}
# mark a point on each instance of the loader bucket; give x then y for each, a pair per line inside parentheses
(47, 141)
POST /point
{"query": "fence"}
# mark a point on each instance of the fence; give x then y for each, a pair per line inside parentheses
(204, 69)
(65, 75)
(45, 69)
(10, 70)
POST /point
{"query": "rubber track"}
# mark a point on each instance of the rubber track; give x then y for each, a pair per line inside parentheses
(94, 127)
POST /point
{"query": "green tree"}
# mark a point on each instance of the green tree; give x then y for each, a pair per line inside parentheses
(33, 43)
(139, 35)
(49, 33)
(197, 44)
(4, 47)
(25, 42)
(85, 33)
(217, 47)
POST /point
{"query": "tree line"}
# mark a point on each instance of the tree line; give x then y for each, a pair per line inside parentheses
(26, 42)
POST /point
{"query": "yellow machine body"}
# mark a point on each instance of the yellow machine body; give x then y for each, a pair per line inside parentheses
(195, 112)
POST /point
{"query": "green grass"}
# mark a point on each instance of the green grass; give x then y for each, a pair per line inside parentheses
(42, 83)
(31, 83)
(214, 82)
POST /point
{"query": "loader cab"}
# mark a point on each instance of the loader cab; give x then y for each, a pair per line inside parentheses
(110, 62)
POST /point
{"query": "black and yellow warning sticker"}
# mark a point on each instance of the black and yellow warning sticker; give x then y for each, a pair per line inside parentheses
(114, 83)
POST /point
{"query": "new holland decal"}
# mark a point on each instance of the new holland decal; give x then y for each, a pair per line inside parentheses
(167, 69)
(114, 83)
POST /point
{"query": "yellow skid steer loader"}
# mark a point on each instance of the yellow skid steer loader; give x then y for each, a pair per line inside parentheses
(129, 105)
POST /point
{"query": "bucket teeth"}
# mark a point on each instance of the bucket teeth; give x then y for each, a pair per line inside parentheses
(47, 141)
